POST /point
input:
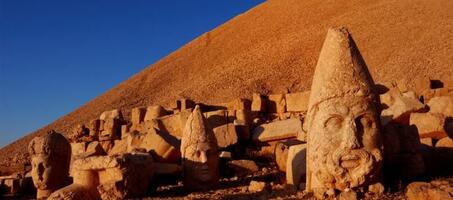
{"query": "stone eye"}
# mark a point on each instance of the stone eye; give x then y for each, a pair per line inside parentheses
(334, 123)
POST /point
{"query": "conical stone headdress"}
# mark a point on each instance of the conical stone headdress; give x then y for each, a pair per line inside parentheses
(340, 71)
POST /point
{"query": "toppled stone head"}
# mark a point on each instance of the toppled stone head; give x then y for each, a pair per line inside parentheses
(344, 138)
(199, 153)
(50, 157)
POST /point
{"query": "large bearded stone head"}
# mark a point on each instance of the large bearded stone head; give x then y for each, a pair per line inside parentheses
(344, 140)
(50, 157)
(199, 153)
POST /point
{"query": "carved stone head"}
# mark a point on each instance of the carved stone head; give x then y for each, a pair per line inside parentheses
(344, 138)
(199, 153)
(50, 157)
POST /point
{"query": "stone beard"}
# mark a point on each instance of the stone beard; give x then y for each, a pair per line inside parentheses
(345, 140)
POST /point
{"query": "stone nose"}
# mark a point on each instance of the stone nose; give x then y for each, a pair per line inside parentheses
(350, 139)
(203, 157)
(40, 171)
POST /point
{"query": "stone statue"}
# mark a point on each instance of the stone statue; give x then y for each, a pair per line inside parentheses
(199, 153)
(50, 157)
(344, 138)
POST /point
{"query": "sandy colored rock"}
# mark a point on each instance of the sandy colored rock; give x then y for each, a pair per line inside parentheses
(153, 112)
(427, 141)
(258, 103)
(443, 104)
(111, 129)
(445, 142)
(245, 116)
(184, 104)
(400, 108)
(50, 158)
(376, 189)
(342, 106)
(239, 104)
(278, 130)
(161, 145)
(276, 103)
(347, 195)
(297, 102)
(296, 164)
(243, 167)
(138, 115)
(425, 191)
(171, 124)
(281, 155)
(111, 114)
(225, 135)
(257, 186)
(429, 124)
(200, 159)
(217, 118)
(167, 168)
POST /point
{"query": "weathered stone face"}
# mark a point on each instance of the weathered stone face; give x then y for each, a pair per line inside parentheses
(50, 157)
(344, 138)
(199, 153)
(345, 143)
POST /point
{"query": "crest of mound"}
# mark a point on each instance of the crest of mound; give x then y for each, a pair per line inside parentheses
(273, 48)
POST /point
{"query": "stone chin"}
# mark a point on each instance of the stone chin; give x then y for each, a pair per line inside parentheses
(348, 168)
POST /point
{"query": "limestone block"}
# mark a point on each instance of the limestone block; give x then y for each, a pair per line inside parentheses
(167, 168)
(445, 142)
(245, 116)
(119, 146)
(184, 104)
(400, 107)
(172, 124)
(111, 129)
(111, 114)
(238, 104)
(297, 102)
(226, 135)
(243, 167)
(242, 130)
(138, 115)
(258, 103)
(216, 118)
(153, 112)
(277, 130)
(443, 104)
(281, 152)
(94, 127)
(296, 164)
(163, 146)
(429, 124)
(427, 141)
(276, 103)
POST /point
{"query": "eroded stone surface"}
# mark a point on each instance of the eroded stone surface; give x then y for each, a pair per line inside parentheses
(199, 153)
(278, 130)
(344, 147)
(50, 157)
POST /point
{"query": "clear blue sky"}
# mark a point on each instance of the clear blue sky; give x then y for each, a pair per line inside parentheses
(57, 55)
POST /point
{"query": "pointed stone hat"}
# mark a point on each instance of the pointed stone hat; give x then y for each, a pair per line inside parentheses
(196, 130)
(340, 71)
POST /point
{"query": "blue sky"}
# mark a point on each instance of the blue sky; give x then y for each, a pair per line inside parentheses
(57, 55)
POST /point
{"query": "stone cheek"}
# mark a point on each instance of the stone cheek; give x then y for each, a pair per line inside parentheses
(344, 144)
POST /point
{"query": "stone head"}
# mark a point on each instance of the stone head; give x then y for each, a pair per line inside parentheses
(344, 138)
(50, 157)
(199, 152)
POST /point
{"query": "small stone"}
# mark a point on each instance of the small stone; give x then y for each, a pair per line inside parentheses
(257, 186)
(225, 155)
(376, 188)
(445, 142)
(417, 191)
(243, 167)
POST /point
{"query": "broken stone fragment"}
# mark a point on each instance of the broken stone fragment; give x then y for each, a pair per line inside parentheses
(243, 167)
(258, 103)
(238, 104)
(153, 112)
(429, 124)
(399, 107)
(137, 115)
(257, 186)
(277, 130)
(297, 102)
(184, 104)
(217, 118)
(163, 146)
(425, 191)
(226, 135)
(170, 124)
(296, 164)
(276, 103)
(442, 105)
(445, 142)
(111, 129)
(111, 114)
